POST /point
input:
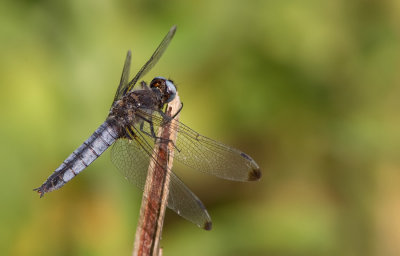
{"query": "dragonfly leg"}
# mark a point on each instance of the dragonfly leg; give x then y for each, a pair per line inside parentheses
(177, 112)
(166, 118)
(152, 134)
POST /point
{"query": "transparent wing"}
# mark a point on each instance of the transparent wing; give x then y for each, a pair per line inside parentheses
(153, 59)
(124, 77)
(132, 157)
(206, 155)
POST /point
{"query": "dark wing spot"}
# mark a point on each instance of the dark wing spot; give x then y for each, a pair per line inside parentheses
(208, 225)
(255, 174)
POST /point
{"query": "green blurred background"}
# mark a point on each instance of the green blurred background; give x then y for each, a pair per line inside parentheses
(310, 89)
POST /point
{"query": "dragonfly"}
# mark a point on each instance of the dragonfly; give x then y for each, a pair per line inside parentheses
(129, 129)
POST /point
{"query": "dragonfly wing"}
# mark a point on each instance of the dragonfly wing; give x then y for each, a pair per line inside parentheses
(132, 158)
(153, 59)
(209, 156)
(123, 84)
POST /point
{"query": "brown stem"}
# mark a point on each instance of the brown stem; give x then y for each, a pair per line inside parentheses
(155, 195)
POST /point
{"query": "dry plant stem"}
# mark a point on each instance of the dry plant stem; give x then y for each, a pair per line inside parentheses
(155, 195)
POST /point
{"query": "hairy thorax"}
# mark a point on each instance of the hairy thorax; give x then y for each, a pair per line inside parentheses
(124, 111)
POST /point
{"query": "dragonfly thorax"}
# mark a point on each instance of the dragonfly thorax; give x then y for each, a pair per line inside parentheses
(124, 111)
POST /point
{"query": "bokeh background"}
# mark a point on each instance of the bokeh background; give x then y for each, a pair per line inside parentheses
(310, 89)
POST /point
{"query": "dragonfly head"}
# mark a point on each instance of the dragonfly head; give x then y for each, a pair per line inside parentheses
(165, 86)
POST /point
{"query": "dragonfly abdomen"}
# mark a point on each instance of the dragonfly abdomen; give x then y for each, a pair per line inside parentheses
(81, 158)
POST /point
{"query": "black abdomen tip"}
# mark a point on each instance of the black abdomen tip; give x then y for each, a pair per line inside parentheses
(255, 174)
(40, 191)
(208, 225)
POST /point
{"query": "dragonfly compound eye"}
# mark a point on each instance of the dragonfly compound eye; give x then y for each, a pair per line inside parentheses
(170, 90)
(158, 82)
